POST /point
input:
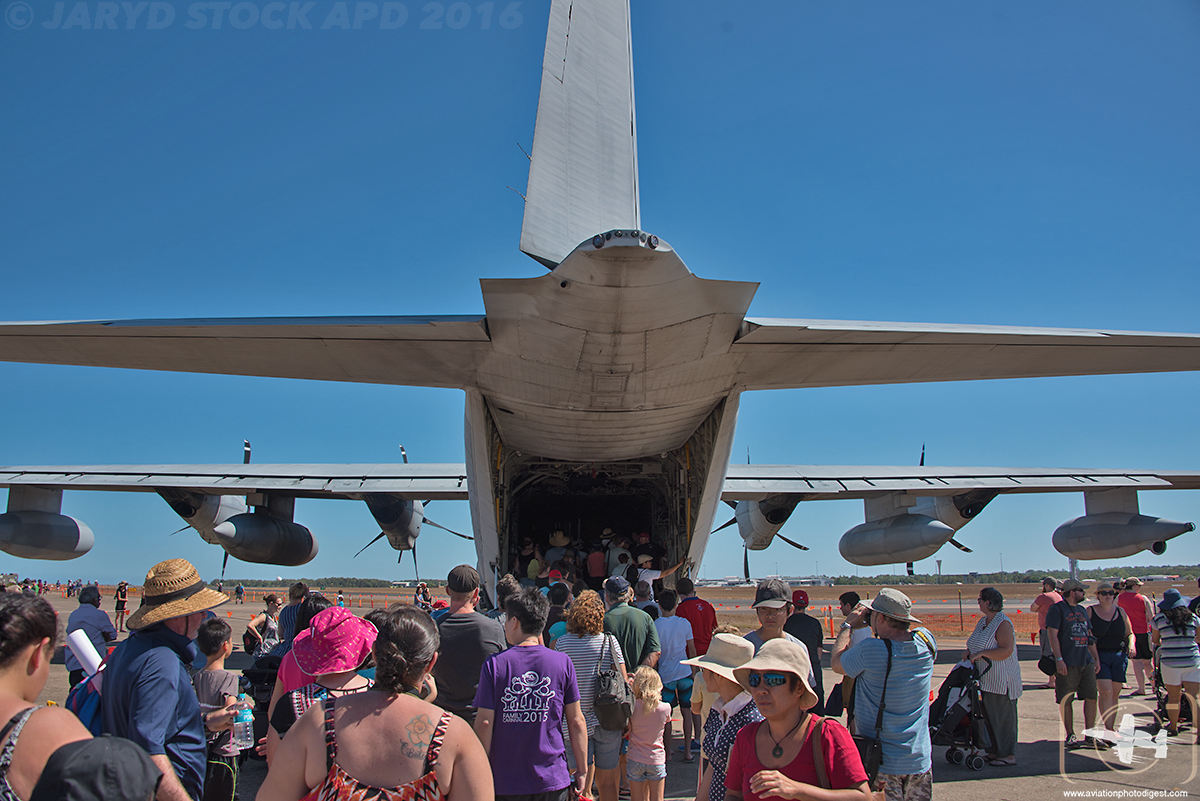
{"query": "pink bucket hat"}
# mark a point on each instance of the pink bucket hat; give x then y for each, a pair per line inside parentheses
(335, 642)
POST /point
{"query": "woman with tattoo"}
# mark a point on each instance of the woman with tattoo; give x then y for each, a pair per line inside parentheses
(384, 743)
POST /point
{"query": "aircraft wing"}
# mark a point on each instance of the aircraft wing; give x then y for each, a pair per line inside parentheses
(424, 482)
(841, 482)
(413, 351)
(786, 354)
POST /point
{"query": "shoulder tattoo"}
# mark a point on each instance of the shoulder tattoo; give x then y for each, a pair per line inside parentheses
(420, 732)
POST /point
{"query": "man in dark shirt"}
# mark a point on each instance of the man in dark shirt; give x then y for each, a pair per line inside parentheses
(468, 639)
(559, 595)
(645, 546)
(807, 629)
(632, 627)
(1074, 646)
(148, 696)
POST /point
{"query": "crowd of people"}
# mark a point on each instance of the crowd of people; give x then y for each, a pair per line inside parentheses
(560, 691)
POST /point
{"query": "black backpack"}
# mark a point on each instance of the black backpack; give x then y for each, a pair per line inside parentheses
(613, 699)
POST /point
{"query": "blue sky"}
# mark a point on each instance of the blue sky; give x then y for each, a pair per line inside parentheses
(1002, 162)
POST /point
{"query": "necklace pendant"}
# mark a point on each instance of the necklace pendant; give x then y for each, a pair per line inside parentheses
(777, 752)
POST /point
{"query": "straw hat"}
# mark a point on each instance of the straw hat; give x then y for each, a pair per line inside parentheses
(559, 539)
(336, 641)
(173, 589)
(725, 652)
(781, 656)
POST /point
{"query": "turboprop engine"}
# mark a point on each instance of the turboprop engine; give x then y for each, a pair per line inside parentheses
(33, 527)
(900, 538)
(759, 521)
(399, 519)
(266, 536)
(1112, 527)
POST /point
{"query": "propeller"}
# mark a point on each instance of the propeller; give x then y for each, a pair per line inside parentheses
(443, 528)
(960, 546)
(726, 524)
(791, 542)
(909, 565)
(746, 562)
(382, 534)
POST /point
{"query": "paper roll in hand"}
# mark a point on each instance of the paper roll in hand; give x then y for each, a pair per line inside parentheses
(84, 651)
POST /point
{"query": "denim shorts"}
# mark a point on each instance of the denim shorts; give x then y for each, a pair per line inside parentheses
(1112, 666)
(641, 772)
(604, 748)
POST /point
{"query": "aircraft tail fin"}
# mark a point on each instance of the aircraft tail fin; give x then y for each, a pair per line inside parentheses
(583, 176)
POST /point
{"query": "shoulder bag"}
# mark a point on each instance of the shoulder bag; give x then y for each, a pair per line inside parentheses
(613, 702)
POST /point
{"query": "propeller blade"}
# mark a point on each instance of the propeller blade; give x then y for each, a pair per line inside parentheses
(911, 572)
(224, 562)
(185, 528)
(245, 451)
(726, 524)
(795, 544)
(922, 454)
(746, 562)
(960, 546)
(372, 542)
(416, 570)
(404, 454)
(429, 522)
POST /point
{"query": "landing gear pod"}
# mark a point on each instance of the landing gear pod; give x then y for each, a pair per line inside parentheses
(901, 538)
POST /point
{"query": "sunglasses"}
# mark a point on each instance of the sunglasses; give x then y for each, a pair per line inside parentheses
(771, 679)
(1106, 592)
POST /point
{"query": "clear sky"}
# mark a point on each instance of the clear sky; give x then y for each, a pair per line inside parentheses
(1023, 162)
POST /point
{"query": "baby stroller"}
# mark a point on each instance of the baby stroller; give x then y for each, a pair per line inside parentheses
(957, 718)
(1160, 698)
(259, 682)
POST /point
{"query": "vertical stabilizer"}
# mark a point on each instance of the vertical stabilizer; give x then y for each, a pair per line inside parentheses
(583, 175)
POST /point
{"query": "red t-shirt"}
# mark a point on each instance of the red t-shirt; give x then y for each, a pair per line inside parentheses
(703, 617)
(1134, 604)
(843, 766)
(1044, 602)
(597, 566)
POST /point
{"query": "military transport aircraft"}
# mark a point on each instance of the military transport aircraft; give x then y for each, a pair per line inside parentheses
(604, 393)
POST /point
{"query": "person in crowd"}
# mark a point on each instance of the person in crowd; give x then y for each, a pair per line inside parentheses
(677, 643)
(1078, 662)
(906, 773)
(618, 547)
(642, 599)
(122, 597)
(777, 757)
(848, 601)
(597, 566)
(697, 611)
(28, 637)
(148, 696)
(650, 574)
(239, 594)
(646, 766)
(1140, 611)
(559, 595)
(807, 629)
(383, 743)
(1176, 634)
(731, 709)
(527, 557)
(264, 626)
(1041, 605)
(633, 628)
(1114, 643)
(92, 621)
(506, 586)
(591, 650)
(98, 769)
(287, 618)
(703, 699)
(422, 598)
(468, 639)
(331, 650)
(217, 689)
(992, 646)
(525, 695)
(1194, 604)
(559, 542)
(773, 606)
(290, 676)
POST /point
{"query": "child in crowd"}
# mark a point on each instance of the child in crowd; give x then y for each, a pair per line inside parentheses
(217, 688)
(647, 758)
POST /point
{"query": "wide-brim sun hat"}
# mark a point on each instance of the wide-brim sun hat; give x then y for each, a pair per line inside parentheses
(725, 652)
(1171, 599)
(894, 604)
(559, 540)
(336, 641)
(644, 558)
(173, 589)
(780, 656)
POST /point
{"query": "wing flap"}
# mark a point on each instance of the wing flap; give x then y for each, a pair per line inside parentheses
(782, 354)
(432, 351)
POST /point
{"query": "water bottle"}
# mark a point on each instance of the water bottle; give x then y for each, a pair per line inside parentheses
(243, 725)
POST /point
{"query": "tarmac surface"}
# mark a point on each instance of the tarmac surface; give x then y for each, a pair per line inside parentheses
(1141, 768)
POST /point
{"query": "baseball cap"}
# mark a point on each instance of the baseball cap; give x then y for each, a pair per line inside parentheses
(100, 768)
(463, 579)
(772, 593)
(1072, 584)
(799, 598)
(616, 585)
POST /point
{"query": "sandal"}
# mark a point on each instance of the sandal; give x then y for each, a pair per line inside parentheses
(1000, 763)
(689, 757)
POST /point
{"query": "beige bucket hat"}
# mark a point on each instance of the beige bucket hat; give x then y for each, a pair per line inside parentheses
(894, 603)
(725, 652)
(173, 589)
(784, 657)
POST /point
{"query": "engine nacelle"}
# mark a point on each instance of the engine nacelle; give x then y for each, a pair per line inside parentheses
(759, 521)
(44, 535)
(900, 538)
(399, 519)
(204, 512)
(265, 539)
(1111, 535)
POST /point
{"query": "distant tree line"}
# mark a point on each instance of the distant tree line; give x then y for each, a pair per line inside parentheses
(1185, 572)
(335, 582)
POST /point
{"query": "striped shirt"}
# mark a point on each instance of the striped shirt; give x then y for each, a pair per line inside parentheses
(1004, 676)
(589, 653)
(1177, 650)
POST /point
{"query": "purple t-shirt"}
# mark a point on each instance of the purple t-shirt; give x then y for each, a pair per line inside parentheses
(528, 688)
